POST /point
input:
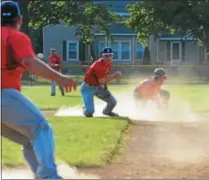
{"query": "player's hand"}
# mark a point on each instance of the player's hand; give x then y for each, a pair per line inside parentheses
(67, 83)
(117, 74)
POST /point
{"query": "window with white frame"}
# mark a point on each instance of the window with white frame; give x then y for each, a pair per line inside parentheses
(72, 50)
(139, 51)
(125, 50)
(115, 49)
(121, 50)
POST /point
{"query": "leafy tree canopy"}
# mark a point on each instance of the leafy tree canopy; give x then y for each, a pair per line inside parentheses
(160, 16)
(87, 16)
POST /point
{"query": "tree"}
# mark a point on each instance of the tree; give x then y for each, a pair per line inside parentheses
(156, 17)
(24, 8)
(35, 34)
(147, 58)
(88, 17)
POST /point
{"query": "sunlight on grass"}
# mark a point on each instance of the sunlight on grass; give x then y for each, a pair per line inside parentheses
(79, 142)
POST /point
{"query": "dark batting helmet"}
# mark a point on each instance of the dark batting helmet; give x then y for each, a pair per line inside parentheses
(159, 72)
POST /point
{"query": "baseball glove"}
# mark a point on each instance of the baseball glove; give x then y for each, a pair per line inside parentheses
(164, 94)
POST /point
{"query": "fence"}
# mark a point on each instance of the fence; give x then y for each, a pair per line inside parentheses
(132, 74)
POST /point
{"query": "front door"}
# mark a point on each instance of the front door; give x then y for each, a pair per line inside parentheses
(176, 51)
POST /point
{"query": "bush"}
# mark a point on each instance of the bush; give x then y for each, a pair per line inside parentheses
(147, 58)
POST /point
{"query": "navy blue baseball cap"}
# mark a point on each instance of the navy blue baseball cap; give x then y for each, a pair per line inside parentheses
(107, 51)
(10, 10)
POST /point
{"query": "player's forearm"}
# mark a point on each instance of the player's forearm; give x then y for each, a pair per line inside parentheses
(109, 78)
(39, 68)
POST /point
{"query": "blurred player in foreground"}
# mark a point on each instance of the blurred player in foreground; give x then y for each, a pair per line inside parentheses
(22, 122)
(55, 62)
(96, 82)
(150, 89)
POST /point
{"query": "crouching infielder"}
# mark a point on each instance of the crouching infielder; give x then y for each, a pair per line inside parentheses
(95, 84)
(150, 89)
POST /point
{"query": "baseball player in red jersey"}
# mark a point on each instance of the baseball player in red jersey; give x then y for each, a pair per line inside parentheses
(55, 62)
(150, 89)
(95, 83)
(22, 122)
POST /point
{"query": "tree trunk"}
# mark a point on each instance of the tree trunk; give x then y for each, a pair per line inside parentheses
(24, 8)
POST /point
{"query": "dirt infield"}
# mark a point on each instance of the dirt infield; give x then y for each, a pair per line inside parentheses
(158, 150)
(167, 149)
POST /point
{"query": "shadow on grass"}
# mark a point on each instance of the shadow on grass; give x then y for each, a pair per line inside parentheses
(117, 118)
(71, 96)
(104, 118)
(66, 95)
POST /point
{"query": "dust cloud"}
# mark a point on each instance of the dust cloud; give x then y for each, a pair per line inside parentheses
(178, 111)
(64, 170)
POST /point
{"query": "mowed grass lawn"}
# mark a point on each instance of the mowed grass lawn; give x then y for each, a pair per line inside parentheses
(40, 95)
(79, 142)
(196, 96)
(90, 142)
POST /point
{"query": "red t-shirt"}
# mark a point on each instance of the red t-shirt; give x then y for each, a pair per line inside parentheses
(15, 46)
(96, 71)
(55, 60)
(148, 89)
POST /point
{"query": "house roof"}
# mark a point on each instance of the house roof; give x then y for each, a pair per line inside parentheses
(177, 36)
(116, 6)
(120, 29)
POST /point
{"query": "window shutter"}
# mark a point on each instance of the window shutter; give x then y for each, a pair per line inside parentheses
(81, 51)
(168, 50)
(183, 51)
(64, 50)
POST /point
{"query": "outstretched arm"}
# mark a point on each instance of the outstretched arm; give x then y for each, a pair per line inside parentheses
(165, 95)
(39, 68)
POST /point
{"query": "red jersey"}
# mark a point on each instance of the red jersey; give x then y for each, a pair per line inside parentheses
(96, 71)
(55, 62)
(15, 46)
(148, 89)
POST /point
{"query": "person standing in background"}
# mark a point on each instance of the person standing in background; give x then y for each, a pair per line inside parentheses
(55, 62)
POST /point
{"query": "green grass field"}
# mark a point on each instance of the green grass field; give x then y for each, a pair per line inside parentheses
(79, 142)
(196, 96)
(133, 79)
(92, 142)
